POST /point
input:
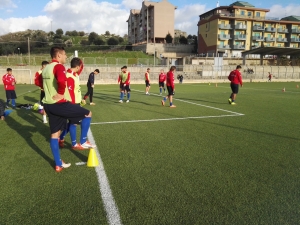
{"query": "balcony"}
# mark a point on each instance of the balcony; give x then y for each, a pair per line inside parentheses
(239, 47)
(295, 31)
(270, 29)
(280, 30)
(269, 39)
(258, 28)
(225, 26)
(295, 39)
(240, 27)
(223, 46)
(281, 40)
(240, 37)
(224, 37)
(257, 38)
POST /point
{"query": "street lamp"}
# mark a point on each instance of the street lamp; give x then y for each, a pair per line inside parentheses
(19, 50)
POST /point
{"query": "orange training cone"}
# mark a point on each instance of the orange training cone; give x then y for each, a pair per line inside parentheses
(283, 90)
(216, 85)
(92, 159)
(297, 86)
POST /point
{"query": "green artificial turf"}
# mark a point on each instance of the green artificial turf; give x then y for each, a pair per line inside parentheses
(224, 164)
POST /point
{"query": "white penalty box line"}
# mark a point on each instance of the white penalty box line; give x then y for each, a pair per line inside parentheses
(175, 118)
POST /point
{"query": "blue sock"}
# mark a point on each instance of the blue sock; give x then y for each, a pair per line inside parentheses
(63, 134)
(171, 103)
(7, 101)
(128, 95)
(165, 99)
(232, 100)
(85, 125)
(13, 102)
(73, 133)
(121, 95)
(55, 151)
(7, 112)
(160, 90)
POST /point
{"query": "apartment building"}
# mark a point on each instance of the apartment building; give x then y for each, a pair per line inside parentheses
(151, 23)
(241, 26)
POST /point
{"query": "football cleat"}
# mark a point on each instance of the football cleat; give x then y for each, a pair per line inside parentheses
(121, 101)
(172, 106)
(63, 166)
(233, 103)
(162, 103)
(61, 143)
(87, 144)
(92, 103)
(127, 101)
(229, 100)
(78, 146)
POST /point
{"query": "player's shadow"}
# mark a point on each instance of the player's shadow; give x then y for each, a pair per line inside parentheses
(31, 100)
(200, 100)
(26, 131)
(77, 153)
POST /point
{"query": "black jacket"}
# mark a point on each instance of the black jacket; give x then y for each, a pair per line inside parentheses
(91, 79)
(2, 107)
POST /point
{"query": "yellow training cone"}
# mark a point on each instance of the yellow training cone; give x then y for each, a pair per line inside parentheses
(216, 85)
(92, 159)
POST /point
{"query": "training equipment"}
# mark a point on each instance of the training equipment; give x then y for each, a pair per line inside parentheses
(216, 85)
(36, 106)
(92, 159)
(208, 83)
(283, 90)
(297, 86)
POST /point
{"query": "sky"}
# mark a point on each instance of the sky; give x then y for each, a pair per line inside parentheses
(100, 16)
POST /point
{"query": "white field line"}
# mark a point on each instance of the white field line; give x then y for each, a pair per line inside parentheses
(110, 206)
(167, 119)
(255, 89)
(239, 114)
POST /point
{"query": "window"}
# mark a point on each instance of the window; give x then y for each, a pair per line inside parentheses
(257, 14)
(222, 32)
(279, 45)
(280, 36)
(257, 34)
(222, 43)
(223, 22)
(249, 13)
(243, 13)
(269, 35)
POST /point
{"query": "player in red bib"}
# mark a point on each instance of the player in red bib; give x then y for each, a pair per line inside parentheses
(9, 82)
(236, 78)
(161, 81)
(170, 87)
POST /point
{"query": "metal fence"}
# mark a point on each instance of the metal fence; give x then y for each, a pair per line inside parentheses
(19, 60)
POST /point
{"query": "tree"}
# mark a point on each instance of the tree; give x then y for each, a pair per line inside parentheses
(176, 40)
(84, 42)
(189, 36)
(41, 41)
(92, 37)
(112, 41)
(120, 39)
(59, 32)
(51, 34)
(68, 33)
(69, 43)
(74, 33)
(183, 40)
(99, 41)
(169, 38)
(107, 33)
(81, 33)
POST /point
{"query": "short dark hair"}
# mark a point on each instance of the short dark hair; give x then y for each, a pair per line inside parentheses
(173, 68)
(124, 67)
(238, 67)
(54, 50)
(45, 63)
(96, 70)
(148, 68)
(9, 69)
(75, 62)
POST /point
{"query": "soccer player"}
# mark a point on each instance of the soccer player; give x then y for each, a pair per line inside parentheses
(58, 109)
(270, 77)
(170, 87)
(90, 85)
(73, 87)
(161, 81)
(3, 113)
(9, 82)
(235, 78)
(38, 81)
(124, 79)
(147, 81)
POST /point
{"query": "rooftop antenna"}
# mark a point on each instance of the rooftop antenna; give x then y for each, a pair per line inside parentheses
(218, 4)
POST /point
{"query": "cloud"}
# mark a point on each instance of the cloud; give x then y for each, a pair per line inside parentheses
(132, 4)
(186, 18)
(7, 4)
(21, 24)
(87, 15)
(280, 11)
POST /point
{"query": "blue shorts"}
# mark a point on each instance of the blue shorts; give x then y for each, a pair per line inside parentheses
(60, 113)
